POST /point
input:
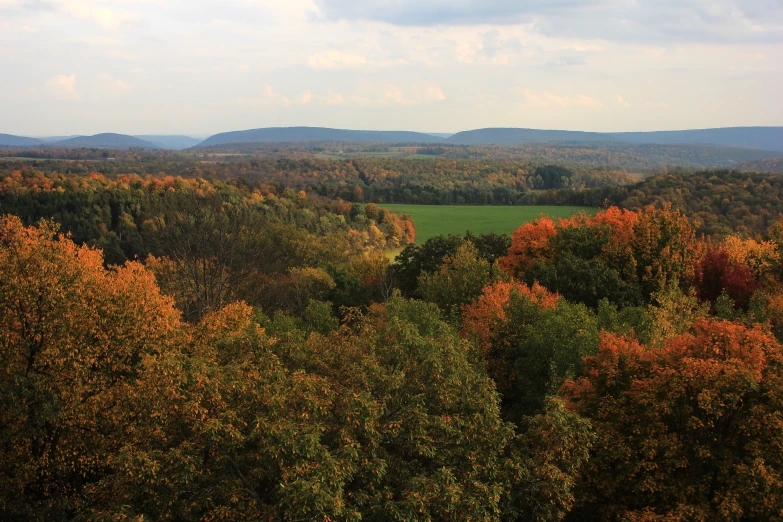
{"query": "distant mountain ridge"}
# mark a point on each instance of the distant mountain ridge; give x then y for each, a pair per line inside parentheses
(172, 142)
(294, 134)
(760, 138)
(9, 140)
(756, 138)
(106, 140)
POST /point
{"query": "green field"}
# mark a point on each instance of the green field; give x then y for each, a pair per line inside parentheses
(434, 220)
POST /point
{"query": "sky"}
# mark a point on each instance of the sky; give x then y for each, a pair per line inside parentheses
(199, 67)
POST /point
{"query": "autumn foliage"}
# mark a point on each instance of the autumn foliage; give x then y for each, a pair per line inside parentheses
(621, 255)
(482, 317)
(262, 359)
(690, 431)
(75, 340)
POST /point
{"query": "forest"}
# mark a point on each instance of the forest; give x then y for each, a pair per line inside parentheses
(378, 180)
(217, 345)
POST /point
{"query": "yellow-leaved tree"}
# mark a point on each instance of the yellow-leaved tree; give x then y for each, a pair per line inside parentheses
(75, 339)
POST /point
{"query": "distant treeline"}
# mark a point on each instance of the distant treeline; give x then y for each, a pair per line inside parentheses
(637, 157)
(717, 201)
(379, 180)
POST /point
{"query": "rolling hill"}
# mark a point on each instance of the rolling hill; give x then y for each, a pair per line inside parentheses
(513, 136)
(761, 138)
(294, 134)
(172, 142)
(9, 140)
(105, 141)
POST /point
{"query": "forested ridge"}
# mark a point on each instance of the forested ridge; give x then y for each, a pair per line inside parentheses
(358, 180)
(719, 202)
(238, 348)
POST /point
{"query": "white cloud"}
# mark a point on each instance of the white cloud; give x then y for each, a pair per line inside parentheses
(531, 98)
(639, 20)
(579, 100)
(97, 11)
(621, 100)
(335, 98)
(270, 94)
(333, 71)
(115, 84)
(429, 92)
(335, 60)
(63, 87)
(394, 94)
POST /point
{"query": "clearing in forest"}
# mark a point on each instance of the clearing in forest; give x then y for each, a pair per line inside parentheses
(434, 220)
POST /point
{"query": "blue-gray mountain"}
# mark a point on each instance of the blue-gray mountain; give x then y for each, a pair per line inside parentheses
(170, 142)
(102, 141)
(9, 140)
(295, 134)
(761, 138)
(758, 138)
(105, 140)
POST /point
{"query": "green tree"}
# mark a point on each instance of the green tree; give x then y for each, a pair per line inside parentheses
(459, 280)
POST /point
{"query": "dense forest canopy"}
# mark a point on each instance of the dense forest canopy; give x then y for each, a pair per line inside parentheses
(228, 340)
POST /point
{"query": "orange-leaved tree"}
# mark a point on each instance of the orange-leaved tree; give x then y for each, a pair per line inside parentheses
(75, 338)
(689, 431)
(481, 318)
(529, 243)
(621, 255)
(531, 340)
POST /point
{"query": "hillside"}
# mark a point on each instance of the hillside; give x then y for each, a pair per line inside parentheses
(294, 134)
(763, 138)
(768, 166)
(9, 140)
(616, 154)
(172, 142)
(105, 141)
(719, 202)
(512, 136)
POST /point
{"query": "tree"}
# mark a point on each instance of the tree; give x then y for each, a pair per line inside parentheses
(717, 273)
(531, 341)
(415, 260)
(689, 431)
(529, 243)
(620, 255)
(76, 340)
(459, 280)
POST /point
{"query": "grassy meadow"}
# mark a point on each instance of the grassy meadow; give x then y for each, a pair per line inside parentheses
(434, 220)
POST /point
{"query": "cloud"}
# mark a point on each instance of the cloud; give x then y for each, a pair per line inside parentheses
(621, 100)
(440, 12)
(567, 61)
(305, 97)
(429, 92)
(106, 18)
(63, 87)
(641, 20)
(115, 84)
(335, 60)
(394, 94)
(532, 98)
(335, 98)
(580, 100)
(547, 99)
(270, 94)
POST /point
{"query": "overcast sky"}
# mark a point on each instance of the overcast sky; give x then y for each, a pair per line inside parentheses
(199, 67)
